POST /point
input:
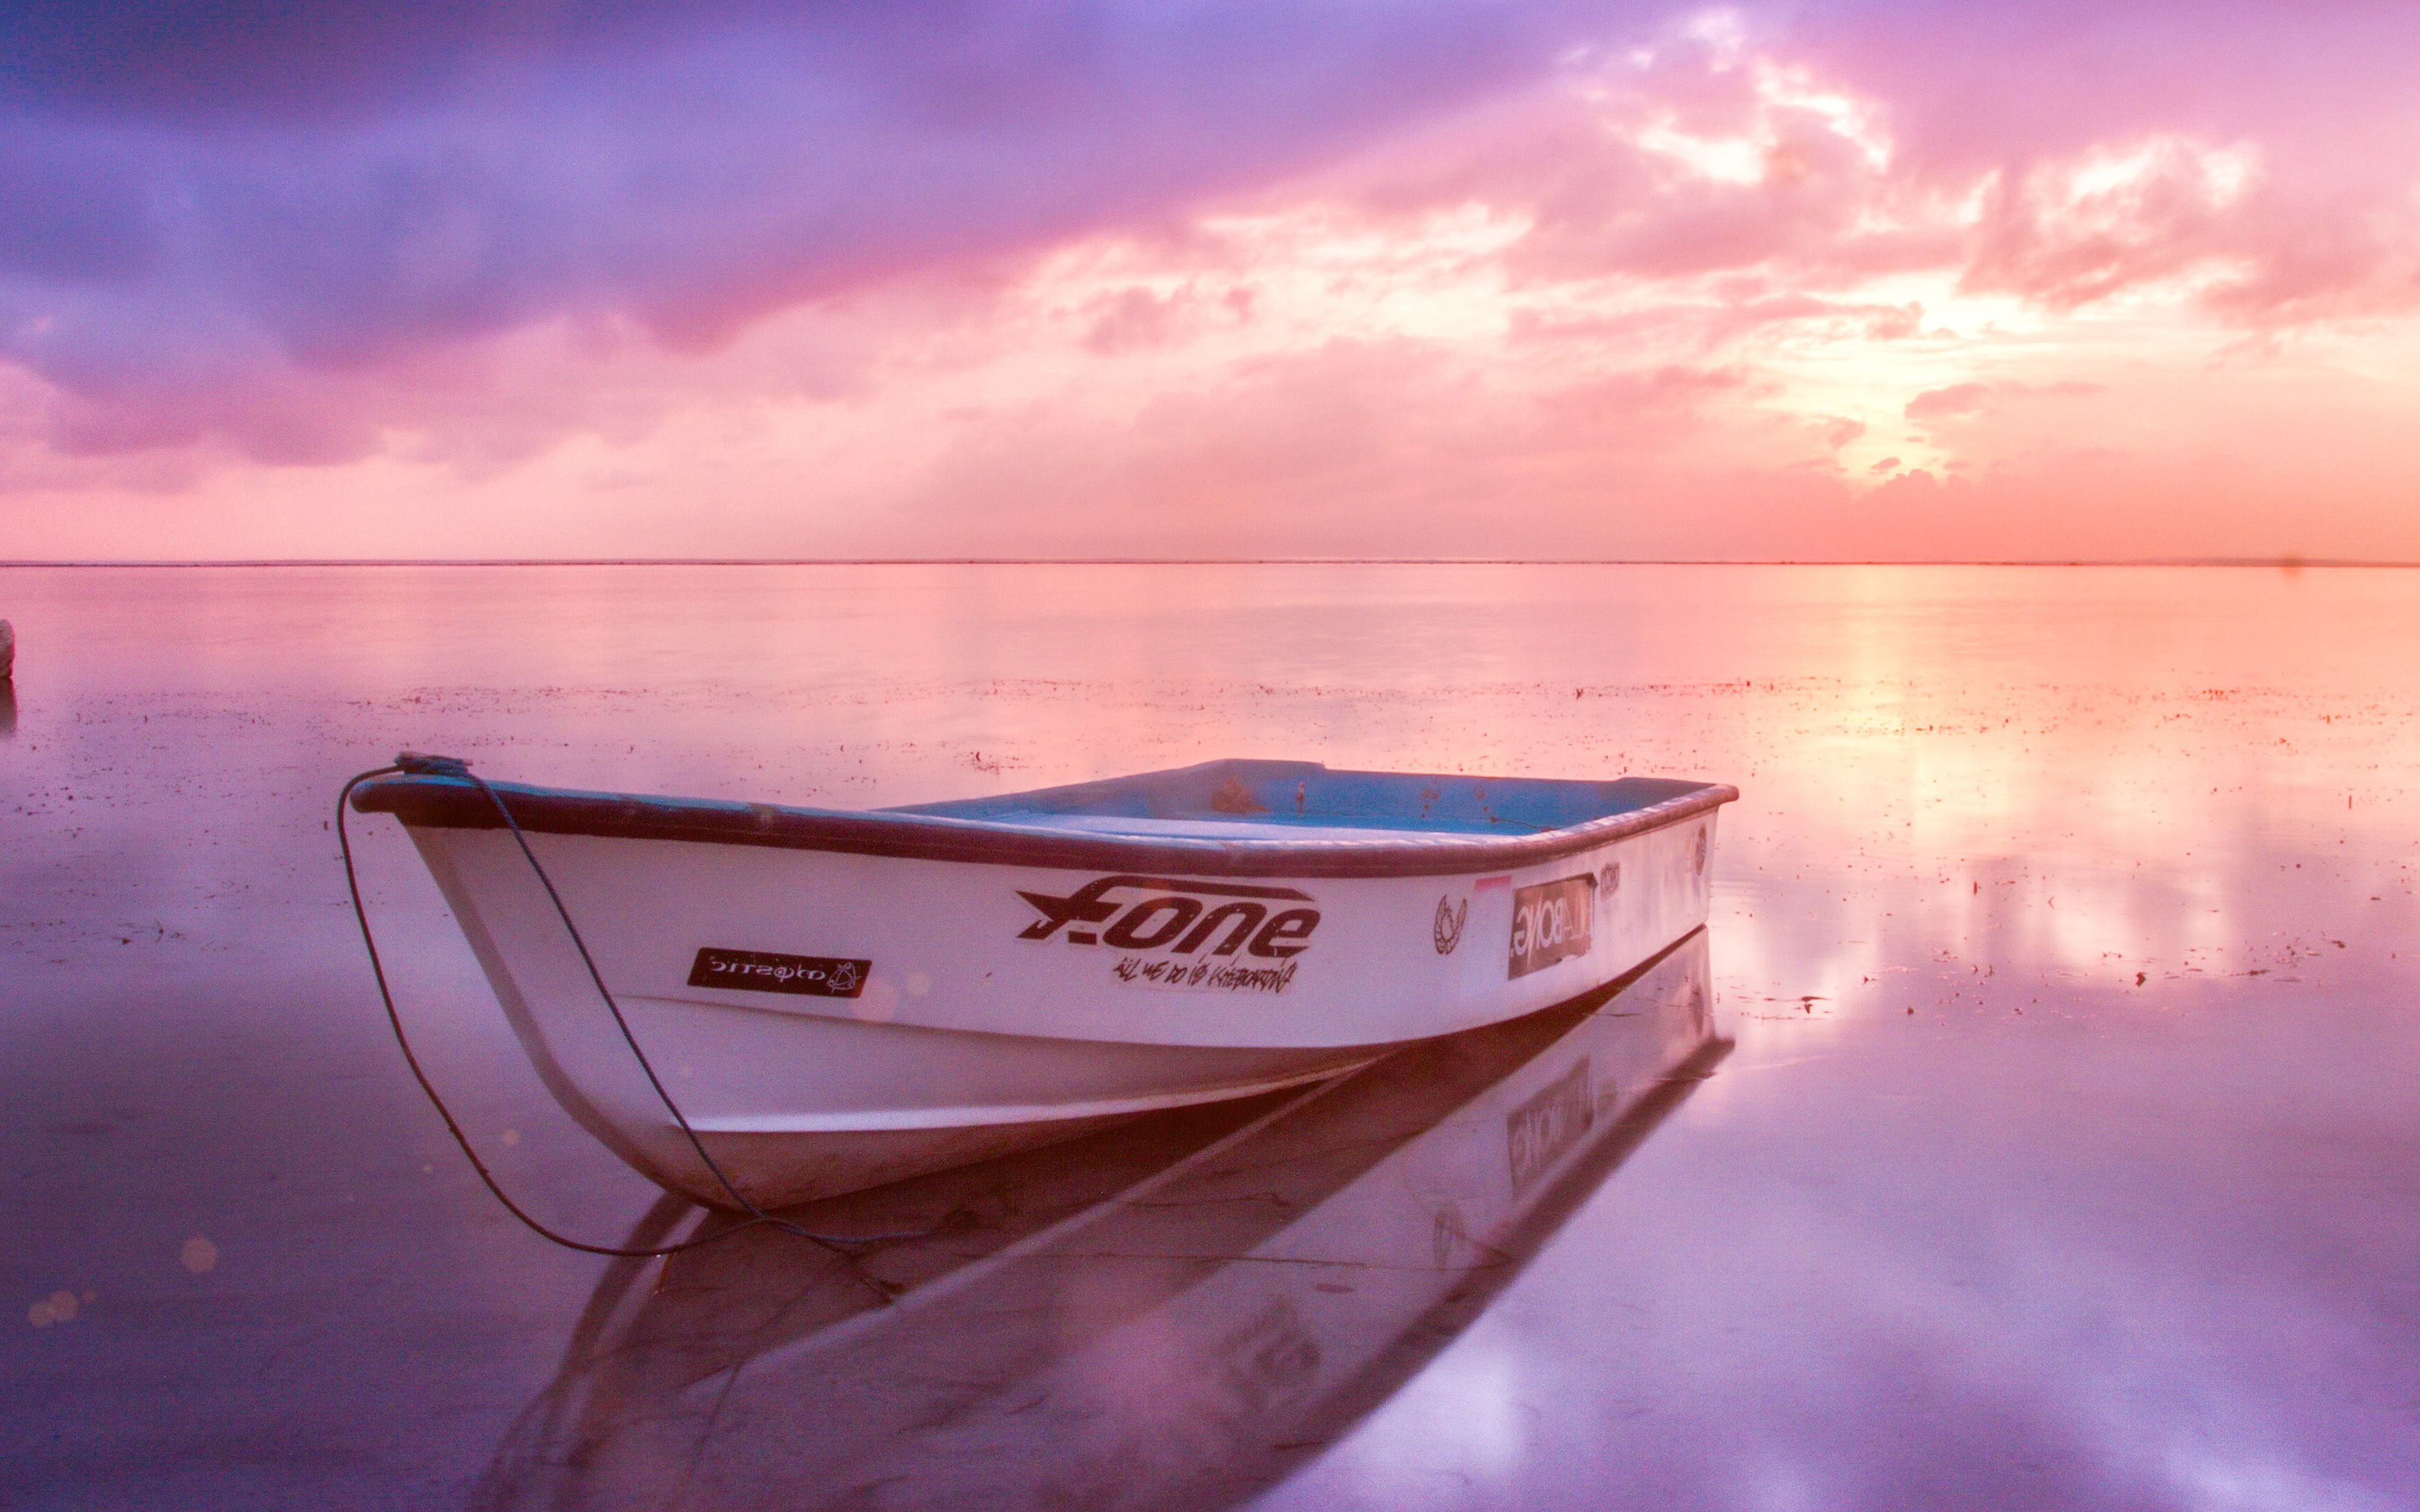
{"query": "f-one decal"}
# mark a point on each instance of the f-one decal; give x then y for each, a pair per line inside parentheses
(1543, 1131)
(1165, 914)
(763, 971)
(1550, 923)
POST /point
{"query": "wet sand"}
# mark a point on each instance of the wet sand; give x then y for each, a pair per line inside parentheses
(2064, 1153)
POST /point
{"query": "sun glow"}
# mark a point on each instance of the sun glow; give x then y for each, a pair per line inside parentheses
(1682, 289)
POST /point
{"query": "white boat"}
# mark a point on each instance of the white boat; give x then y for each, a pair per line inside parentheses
(838, 999)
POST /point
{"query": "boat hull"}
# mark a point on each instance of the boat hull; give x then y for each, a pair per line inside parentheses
(828, 1021)
(1179, 1316)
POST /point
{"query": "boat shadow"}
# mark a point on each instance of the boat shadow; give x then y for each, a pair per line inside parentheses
(1178, 1312)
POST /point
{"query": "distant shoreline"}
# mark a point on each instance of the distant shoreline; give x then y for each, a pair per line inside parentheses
(2271, 563)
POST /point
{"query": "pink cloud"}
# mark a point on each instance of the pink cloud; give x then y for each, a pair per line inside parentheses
(1956, 399)
(1959, 399)
(1020, 292)
(1136, 318)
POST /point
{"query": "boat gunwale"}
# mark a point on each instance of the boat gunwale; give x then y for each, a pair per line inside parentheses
(456, 803)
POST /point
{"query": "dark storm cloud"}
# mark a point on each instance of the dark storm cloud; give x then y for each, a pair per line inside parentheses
(194, 194)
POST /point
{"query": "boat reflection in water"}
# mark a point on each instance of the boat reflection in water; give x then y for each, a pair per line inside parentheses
(1174, 1313)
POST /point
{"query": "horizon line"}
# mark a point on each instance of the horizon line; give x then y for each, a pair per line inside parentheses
(2286, 563)
(265, 562)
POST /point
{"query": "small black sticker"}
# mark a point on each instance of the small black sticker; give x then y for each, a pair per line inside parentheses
(763, 971)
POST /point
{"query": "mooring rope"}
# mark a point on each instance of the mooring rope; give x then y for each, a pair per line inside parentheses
(412, 763)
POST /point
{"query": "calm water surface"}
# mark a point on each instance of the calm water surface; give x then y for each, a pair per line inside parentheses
(2053, 1142)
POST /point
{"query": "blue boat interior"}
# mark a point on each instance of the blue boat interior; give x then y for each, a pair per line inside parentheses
(1234, 799)
(1233, 817)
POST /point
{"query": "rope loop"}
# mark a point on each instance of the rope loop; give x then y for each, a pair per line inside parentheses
(417, 764)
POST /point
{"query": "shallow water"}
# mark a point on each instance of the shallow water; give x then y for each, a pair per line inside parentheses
(2065, 1153)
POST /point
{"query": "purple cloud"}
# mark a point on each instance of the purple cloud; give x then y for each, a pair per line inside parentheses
(294, 224)
(196, 199)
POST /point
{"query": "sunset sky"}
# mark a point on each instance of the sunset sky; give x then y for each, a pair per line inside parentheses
(293, 278)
